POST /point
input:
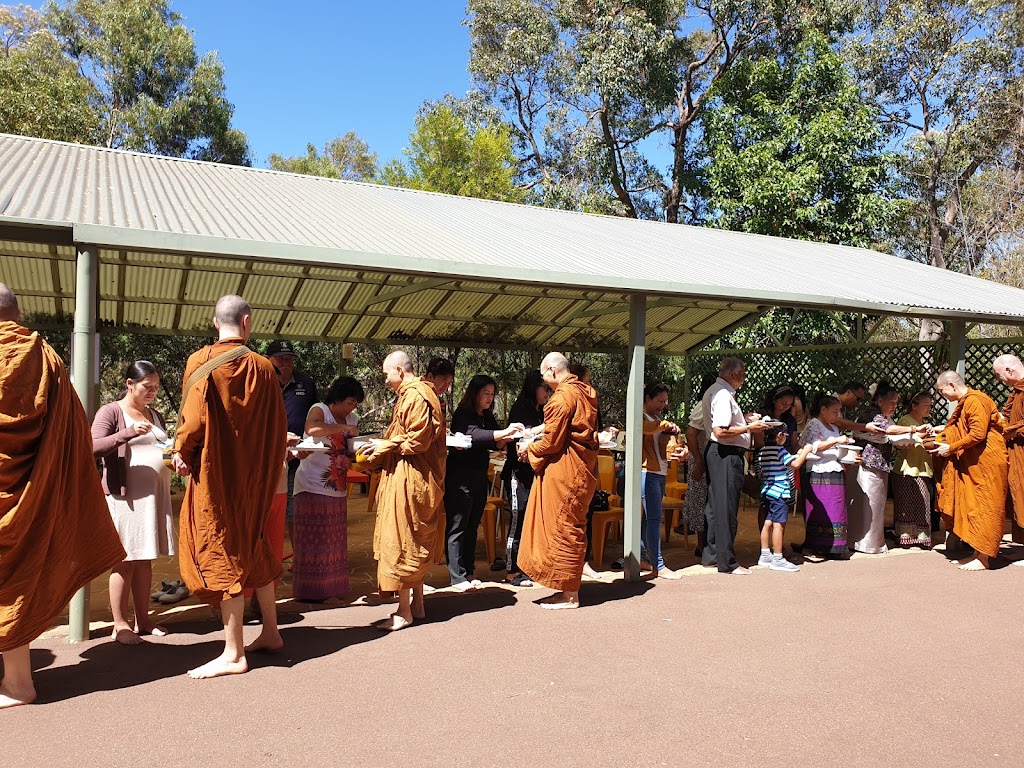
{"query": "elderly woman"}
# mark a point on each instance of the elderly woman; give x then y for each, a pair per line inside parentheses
(868, 482)
(913, 482)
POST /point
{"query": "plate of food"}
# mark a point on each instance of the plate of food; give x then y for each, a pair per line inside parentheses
(459, 440)
(771, 422)
(358, 441)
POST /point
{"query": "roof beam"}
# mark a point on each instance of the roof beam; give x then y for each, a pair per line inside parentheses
(58, 303)
(400, 292)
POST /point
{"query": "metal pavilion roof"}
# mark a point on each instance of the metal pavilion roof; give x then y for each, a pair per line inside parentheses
(328, 259)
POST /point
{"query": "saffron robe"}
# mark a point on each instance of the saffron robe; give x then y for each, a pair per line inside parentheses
(972, 496)
(1013, 433)
(554, 541)
(56, 534)
(233, 437)
(411, 487)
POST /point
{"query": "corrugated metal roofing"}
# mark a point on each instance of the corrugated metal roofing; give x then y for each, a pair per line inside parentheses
(323, 258)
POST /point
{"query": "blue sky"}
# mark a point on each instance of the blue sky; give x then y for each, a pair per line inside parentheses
(310, 70)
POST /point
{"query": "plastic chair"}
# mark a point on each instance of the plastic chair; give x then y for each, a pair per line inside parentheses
(675, 493)
(615, 513)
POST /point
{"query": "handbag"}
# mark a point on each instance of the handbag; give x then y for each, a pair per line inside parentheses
(601, 501)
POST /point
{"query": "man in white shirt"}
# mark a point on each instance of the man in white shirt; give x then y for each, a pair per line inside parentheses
(728, 433)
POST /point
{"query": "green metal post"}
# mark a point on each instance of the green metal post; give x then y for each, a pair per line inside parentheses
(634, 433)
(83, 361)
(957, 361)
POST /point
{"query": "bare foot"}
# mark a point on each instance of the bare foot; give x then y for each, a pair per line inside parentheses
(668, 573)
(590, 573)
(219, 667)
(125, 636)
(418, 610)
(740, 571)
(151, 629)
(393, 623)
(558, 601)
(974, 565)
(334, 601)
(266, 643)
(11, 698)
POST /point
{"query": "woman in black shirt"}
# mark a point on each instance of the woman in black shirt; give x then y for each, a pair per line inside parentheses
(465, 484)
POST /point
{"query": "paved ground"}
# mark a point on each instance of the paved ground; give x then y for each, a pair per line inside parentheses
(892, 661)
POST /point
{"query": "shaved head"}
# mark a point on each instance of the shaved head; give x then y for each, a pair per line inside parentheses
(8, 305)
(230, 310)
(555, 360)
(950, 377)
(398, 359)
(1009, 370)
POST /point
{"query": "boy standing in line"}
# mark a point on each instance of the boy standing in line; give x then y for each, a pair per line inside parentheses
(776, 492)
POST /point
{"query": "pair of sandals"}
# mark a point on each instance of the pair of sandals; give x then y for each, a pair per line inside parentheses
(170, 592)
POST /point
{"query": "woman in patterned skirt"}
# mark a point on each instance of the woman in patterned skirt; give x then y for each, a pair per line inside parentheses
(913, 483)
(696, 499)
(320, 557)
(825, 515)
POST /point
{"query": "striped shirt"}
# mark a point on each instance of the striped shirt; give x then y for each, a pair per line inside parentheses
(776, 476)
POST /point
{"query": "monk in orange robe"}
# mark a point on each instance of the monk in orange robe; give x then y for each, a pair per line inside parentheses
(411, 459)
(56, 534)
(554, 542)
(1010, 371)
(972, 496)
(231, 441)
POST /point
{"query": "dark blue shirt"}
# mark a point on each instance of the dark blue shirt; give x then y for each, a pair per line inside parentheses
(299, 396)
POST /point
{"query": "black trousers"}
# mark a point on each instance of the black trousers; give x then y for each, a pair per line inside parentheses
(518, 494)
(725, 483)
(465, 496)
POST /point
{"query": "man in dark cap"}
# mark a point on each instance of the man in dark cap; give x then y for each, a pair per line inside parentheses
(300, 394)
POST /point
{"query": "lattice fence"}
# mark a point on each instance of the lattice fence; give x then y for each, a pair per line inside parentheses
(908, 366)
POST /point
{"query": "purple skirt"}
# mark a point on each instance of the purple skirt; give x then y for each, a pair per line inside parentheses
(826, 513)
(320, 561)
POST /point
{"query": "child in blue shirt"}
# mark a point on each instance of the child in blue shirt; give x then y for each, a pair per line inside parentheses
(776, 492)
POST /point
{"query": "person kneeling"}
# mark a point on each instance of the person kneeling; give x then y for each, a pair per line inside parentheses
(776, 492)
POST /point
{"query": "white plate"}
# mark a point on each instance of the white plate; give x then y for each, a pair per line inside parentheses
(848, 460)
(609, 444)
(771, 422)
(311, 447)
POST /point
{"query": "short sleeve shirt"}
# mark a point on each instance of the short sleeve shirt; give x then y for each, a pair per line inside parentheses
(721, 406)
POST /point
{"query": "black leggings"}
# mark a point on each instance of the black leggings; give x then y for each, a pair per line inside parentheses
(465, 496)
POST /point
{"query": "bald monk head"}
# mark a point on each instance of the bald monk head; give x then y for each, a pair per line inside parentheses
(1009, 370)
(554, 369)
(233, 317)
(397, 368)
(8, 305)
(951, 385)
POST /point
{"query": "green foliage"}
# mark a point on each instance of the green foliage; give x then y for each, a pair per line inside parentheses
(793, 152)
(42, 93)
(121, 73)
(447, 155)
(345, 157)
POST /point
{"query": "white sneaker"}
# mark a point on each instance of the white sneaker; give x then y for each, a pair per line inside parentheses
(462, 586)
(765, 558)
(475, 582)
(782, 564)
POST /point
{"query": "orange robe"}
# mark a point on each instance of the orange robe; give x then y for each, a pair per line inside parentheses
(554, 542)
(1013, 432)
(411, 488)
(972, 497)
(233, 438)
(56, 534)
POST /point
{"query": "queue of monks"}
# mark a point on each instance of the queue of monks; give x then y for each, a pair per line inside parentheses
(59, 529)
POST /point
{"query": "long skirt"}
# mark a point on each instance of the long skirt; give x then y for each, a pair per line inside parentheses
(912, 510)
(826, 513)
(320, 562)
(869, 489)
(695, 501)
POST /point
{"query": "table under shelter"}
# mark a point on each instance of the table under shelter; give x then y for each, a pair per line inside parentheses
(109, 240)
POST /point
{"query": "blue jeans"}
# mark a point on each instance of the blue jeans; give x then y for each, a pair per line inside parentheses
(652, 498)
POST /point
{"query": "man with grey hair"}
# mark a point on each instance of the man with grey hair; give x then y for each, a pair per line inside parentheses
(1010, 371)
(9, 309)
(728, 432)
(972, 496)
